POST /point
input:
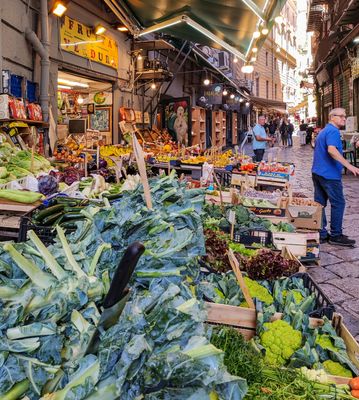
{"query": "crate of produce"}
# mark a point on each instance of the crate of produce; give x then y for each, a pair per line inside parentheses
(304, 213)
(254, 236)
(245, 321)
(42, 219)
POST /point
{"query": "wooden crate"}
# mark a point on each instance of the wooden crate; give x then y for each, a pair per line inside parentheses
(295, 242)
(245, 321)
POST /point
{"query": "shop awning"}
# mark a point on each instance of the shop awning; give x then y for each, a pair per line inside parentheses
(226, 25)
(299, 106)
(270, 105)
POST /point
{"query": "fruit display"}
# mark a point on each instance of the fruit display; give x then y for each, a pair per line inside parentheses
(195, 160)
(295, 201)
(274, 167)
(248, 167)
(223, 159)
(70, 151)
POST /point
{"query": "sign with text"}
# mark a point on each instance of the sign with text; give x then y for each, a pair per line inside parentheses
(213, 94)
(79, 39)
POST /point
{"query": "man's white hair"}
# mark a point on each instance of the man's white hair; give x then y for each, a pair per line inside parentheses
(336, 111)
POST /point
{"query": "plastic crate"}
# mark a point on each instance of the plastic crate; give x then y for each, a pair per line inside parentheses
(258, 236)
(323, 306)
(224, 177)
(45, 233)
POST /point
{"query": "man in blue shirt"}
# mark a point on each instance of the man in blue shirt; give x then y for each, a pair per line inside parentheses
(260, 139)
(327, 169)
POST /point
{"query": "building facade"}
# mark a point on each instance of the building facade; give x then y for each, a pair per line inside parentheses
(335, 43)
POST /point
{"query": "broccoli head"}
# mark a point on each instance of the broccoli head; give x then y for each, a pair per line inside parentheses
(334, 368)
(280, 341)
(258, 291)
(297, 295)
(325, 342)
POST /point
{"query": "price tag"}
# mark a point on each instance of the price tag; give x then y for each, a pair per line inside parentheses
(232, 217)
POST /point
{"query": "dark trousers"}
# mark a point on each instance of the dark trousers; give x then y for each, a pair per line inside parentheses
(332, 190)
(290, 139)
(258, 153)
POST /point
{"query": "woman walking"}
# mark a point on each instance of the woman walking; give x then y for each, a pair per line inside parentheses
(284, 129)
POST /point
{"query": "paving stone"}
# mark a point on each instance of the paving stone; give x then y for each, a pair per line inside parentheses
(334, 294)
(349, 286)
(350, 321)
(348, 254)
(320, 274)
(328, 259)
(352, 306)
(345, 269)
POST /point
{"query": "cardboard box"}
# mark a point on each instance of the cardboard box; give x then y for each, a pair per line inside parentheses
(307, 217)
(4, 106)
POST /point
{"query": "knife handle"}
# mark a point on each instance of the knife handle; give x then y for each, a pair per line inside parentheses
(123, 273)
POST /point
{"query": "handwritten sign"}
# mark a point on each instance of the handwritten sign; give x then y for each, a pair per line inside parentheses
(79, 39)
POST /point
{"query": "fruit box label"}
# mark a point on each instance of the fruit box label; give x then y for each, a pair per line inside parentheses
(277, 212)
(281, 175)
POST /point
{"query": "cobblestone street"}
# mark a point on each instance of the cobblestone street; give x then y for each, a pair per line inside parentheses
(338, 273)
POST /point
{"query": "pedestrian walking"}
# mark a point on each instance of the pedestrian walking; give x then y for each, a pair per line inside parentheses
(327, 169)
(260, 139)
(284, 132)
(303, 132)
(290, 133)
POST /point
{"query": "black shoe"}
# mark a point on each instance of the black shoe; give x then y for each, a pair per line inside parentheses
(341, 240)
(324, 239)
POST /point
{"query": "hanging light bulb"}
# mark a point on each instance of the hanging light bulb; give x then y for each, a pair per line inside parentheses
(255, 50)
(153, 86)
(206, 82)
(265, 31)
(99, 29)
(225, 92)
(235, 59)
(247, 104)
(59, 8)
(241, 100)
(256, 34)
(232, 96)
(278, 19)
(247, 69)
(278, 49)
(253, 59)
(139, 57)
(80, 100)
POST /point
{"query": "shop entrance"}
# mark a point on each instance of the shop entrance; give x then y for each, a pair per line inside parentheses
(84, 109)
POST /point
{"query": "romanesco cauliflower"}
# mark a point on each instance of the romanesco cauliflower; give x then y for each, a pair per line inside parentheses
(280, 341)
(334, 368)
(258, 291)
(325, 342)
(297, 295)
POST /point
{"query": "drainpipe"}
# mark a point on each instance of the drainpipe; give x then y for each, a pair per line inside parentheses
(42, 48)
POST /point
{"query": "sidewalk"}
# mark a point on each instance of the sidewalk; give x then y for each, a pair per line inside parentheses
(338, 273)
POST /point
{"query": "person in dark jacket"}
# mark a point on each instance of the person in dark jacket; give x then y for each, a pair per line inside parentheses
(284, 132)
(303, 132)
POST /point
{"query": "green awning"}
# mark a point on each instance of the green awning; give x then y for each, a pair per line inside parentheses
(227, 25)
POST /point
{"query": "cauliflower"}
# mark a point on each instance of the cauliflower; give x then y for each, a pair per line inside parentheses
(258, 291)
(325, 342)
(334, 368)
(318, 375)
(280, 341)
(297, 295)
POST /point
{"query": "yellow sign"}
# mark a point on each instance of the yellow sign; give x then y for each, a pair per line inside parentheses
(77, 38)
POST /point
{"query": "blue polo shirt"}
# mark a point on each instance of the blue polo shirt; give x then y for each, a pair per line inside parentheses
(259, 131)
(323, 163)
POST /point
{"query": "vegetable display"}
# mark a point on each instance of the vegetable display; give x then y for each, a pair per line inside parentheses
(160, 346)
(269, 265)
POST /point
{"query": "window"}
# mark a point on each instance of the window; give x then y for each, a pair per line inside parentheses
(257, 87)
(267, 89)
(275, 91)
(275, 63)
(266, 58)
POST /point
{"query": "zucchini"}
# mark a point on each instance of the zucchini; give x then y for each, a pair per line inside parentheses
(51, 219)
(41, 215)
(71, 216)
